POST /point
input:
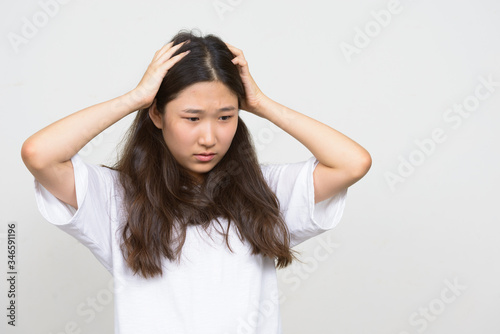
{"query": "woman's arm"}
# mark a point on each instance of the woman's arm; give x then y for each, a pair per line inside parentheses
(61, 140)
(342, 161)
(47, 153)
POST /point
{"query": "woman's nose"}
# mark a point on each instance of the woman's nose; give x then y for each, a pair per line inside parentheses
(207, 135)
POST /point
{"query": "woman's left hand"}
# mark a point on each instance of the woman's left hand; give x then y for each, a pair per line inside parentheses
(255, 97)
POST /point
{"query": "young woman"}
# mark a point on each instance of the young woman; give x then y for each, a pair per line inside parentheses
(187, 221)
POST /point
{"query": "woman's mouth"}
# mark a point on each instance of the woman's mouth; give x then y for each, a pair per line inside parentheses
(204, 157)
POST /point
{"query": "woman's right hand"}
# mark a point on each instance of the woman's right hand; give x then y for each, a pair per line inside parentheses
(145, 92)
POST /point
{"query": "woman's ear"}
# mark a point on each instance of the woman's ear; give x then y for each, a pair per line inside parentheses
(155, 115)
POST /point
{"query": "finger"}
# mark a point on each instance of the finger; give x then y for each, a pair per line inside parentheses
(234, 50)
(172, 61)
(240, 60)
(163, 48)
(169, 51)
(231, 46)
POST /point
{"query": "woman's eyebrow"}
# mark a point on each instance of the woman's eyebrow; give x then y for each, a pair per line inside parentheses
(198, 111)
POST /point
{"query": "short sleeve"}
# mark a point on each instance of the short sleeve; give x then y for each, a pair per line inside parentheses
(293, 184)
(90, 224)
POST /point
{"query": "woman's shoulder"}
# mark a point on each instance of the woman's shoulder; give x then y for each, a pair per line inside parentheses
(94, 173)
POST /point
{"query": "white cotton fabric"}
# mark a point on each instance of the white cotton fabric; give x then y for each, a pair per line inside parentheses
(212, 291)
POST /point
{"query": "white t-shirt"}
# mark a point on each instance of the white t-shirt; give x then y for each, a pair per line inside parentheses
(212, 291)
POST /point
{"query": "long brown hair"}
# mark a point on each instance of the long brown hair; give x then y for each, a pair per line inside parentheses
(161, 198)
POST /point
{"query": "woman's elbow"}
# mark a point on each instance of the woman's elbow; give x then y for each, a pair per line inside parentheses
(363, 166)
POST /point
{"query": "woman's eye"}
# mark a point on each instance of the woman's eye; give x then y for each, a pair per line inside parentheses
(195, 118)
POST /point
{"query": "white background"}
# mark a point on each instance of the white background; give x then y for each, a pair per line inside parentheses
(399, 246)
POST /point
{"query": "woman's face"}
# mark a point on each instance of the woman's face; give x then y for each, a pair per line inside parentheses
(203, 118)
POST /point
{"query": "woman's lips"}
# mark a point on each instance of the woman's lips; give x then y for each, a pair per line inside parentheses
(202, 157)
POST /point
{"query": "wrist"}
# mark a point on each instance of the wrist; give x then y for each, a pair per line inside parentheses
(136, 100)
(265, 107)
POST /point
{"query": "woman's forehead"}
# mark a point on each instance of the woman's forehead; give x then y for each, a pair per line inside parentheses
(212, 96)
